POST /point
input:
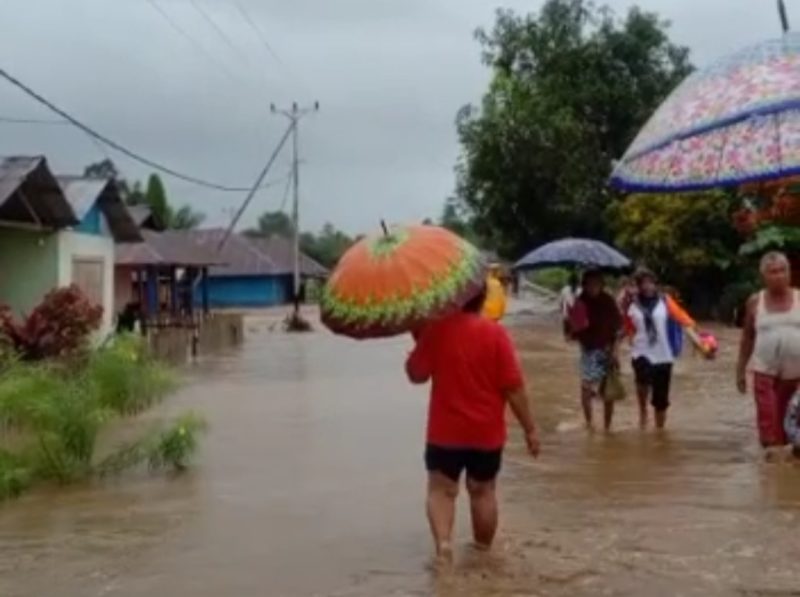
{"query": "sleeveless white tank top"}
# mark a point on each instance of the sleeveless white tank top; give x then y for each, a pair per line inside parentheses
(777, 349)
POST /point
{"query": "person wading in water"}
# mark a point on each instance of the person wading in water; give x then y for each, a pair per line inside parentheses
(770, 344)
(474, 371)
(596, 322)
(649, 316)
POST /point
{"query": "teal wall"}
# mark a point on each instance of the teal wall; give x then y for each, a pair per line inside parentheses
(92, 222)
(28, 267)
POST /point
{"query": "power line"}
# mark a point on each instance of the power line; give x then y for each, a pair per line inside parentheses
(194, 42)
(262, 37)
(12, 120)
(220, 32)
(289, 181)
(118, 147)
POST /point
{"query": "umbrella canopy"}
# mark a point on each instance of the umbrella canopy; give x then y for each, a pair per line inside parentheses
(574, 252)
(391, 282)
(737, 121)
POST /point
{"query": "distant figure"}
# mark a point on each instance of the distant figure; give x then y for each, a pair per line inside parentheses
(127, 318)
(566, 299)
(596, 322)
(475, 373)
(770, 344)
(494, 307)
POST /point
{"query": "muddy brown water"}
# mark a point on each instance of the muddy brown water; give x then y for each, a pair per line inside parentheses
(310, 482)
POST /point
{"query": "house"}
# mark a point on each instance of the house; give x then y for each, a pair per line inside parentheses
(57, 231)
(247, 273)
(165, 273)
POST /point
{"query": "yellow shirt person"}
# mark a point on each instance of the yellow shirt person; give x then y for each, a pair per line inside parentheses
(495, 306)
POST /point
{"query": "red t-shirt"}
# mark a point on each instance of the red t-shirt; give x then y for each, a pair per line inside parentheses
(472, 364)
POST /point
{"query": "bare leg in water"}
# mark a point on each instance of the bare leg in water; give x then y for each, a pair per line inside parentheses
(643, 393)
(441, 507)
(483, 507)
(587, 394)
(608, 414)
(661, 419)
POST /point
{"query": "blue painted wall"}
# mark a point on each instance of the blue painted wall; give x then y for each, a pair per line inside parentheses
(91, 223)
(246, 291)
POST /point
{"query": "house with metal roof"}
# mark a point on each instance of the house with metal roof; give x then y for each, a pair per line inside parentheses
(57, 231)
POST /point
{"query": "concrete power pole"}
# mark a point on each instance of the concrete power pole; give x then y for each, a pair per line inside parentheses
(295, 114)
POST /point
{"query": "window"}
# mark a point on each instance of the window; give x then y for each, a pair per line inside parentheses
(87, 274)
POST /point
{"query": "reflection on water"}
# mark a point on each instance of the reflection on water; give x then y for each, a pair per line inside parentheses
(311, 483)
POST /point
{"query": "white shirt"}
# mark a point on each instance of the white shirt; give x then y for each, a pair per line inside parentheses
(659, 353)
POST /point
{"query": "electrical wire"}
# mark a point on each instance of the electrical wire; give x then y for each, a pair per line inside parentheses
(194, 42)
(12, 120)
(288, 186)
(124, 150)
(262, 37)
(220, 32)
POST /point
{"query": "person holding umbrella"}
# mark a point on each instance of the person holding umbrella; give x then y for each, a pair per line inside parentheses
(595, 321)
(428, 281)
(474, 373)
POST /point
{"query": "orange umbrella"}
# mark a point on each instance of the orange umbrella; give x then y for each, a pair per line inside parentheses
(392, 282)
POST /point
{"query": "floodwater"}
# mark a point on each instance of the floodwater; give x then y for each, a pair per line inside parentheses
(310, 482)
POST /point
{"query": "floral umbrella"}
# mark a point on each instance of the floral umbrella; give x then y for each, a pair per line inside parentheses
(391, 282)
(737, 121)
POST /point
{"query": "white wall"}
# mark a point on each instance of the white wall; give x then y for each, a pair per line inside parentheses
(77, 245)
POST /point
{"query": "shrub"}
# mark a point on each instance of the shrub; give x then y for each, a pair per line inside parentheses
(129, 380)
(59, 413)
(58, 326)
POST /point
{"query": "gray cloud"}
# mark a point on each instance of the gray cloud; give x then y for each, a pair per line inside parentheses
(390, 75)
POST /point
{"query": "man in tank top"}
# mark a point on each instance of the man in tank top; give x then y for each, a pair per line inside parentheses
(770, 347)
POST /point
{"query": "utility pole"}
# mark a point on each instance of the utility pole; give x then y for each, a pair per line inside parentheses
(295, 114)
(783, 16)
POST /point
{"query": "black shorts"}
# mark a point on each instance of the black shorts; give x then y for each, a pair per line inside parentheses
(481, 465)
(655, 377)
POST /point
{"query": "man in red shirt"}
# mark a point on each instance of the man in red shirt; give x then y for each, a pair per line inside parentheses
(474, 372)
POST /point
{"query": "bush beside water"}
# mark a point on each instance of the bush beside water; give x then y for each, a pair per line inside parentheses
(52, 412)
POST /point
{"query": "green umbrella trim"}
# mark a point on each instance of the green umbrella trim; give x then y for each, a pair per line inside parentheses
(421, 304)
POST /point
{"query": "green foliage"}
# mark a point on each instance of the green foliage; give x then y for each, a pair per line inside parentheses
(327, 246)
(681, 236)
(551, 278)
(154, 196)
(571, 87)
(15, 475)
(56, 414)
(772, 237)
(128, 379)
(272, 223)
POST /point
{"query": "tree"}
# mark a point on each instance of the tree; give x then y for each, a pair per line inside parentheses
(328, 246)
(571, 87)
(457, 220)
(272, 223)
(155, 197)
(688, 239)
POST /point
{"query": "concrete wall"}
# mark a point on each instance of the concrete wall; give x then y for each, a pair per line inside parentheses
(74, 245)
(29, 267)
(246, 291)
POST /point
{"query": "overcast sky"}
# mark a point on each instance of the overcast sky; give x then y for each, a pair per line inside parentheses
(390, 76)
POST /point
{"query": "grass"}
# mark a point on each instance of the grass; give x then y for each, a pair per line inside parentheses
(51, 416)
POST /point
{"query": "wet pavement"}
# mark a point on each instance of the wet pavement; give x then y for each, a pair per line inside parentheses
(311, 481)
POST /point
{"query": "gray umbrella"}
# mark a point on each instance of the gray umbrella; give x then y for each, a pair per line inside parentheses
(579, 252)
